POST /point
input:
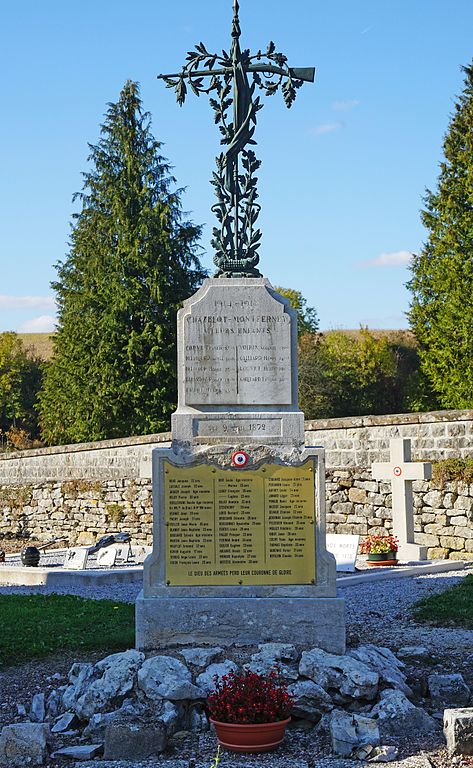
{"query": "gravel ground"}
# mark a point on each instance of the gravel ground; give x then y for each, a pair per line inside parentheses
(377, 612)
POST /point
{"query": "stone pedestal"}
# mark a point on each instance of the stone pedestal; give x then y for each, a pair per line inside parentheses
(239, 551)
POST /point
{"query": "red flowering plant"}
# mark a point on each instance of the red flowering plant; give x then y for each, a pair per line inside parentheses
(377, 544)
(250, 697)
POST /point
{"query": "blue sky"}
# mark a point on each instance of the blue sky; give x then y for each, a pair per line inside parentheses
(344, 170)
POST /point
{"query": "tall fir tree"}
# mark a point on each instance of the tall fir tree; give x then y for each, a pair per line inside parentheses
(441, 313)
(132, 261)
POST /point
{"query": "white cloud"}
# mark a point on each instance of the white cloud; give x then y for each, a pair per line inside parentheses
(395, 259)
(41, 324)
(344, 105)
(27, 302)
(324, 128)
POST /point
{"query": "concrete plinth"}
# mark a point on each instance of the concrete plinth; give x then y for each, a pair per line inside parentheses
(317, 622)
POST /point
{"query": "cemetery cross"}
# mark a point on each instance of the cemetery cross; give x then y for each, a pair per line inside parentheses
(402, 472)
(237, 240)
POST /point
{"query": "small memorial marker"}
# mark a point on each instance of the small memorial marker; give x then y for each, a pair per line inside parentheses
(401, 471)
(76, 559)
(107, 557)
(344, 547)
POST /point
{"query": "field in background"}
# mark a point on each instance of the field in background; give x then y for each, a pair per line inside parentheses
(40, 344)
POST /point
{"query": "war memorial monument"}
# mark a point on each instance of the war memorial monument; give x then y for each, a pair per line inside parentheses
(239, 551)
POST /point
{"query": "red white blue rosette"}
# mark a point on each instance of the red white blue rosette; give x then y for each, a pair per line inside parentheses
(240, 459)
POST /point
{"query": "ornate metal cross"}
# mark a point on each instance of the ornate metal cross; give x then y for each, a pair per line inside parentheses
(237, 240)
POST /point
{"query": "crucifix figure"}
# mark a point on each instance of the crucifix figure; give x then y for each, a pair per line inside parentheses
(402, 472)
(234, 78)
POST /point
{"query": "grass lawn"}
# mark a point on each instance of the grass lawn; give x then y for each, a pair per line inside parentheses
(452, 607)
(33, 626)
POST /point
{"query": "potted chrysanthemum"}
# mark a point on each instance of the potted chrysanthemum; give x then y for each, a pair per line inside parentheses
(250, 710)
(380, 549)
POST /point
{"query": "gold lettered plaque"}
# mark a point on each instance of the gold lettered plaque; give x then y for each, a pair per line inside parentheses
(234, 526)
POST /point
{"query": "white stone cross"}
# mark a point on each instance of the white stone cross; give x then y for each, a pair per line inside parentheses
(402, 472)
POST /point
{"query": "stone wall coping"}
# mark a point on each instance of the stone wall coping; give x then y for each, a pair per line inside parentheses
(351, 422)
(121, 442)
(347, 422)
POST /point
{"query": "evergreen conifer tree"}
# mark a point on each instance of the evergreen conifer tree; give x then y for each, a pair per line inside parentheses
(131, 263)
(441, 313)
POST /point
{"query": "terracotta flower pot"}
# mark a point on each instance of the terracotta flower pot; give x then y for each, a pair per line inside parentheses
(382, 558)
(250, 737)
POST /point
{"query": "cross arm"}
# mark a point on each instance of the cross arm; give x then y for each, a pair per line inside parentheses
(306, 74)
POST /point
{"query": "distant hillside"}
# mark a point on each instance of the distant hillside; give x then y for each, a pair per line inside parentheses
(403, 336)
(40, 344)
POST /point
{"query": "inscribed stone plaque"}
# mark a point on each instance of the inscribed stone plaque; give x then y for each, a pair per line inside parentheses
(227, 526)
(76, 559)
(107, 557)
(237, 349)
(344, 547)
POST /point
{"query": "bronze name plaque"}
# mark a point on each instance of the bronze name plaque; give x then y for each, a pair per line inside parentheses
(234, 526)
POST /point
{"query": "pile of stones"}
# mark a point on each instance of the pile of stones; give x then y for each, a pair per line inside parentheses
(127, 706)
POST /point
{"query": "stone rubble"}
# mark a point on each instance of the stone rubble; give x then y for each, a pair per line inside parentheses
(130, 707)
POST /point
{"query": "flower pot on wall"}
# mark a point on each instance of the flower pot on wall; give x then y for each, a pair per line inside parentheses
(250, 737)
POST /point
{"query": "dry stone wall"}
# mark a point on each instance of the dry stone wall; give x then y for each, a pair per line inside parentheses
(83, 491)
(443, 516)
(79, 510)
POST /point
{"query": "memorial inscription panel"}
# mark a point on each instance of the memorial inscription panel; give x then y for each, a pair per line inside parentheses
(237, 351)
(227, 526)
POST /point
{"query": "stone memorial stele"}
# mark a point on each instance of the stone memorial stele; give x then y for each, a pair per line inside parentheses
(402, 472)
(239, 551)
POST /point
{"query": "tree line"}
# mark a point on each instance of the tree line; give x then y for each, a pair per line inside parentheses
(134, 258)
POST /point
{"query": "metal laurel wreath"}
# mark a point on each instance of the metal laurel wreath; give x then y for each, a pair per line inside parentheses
(237, 240)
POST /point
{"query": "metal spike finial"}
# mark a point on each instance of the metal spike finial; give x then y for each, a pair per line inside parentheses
(236, 31)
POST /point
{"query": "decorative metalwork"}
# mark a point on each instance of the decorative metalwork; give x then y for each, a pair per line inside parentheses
(237, 239)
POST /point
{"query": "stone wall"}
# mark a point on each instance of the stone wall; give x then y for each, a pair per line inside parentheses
(443, 514)
(83, 491)
(358, 441)
(79, 510)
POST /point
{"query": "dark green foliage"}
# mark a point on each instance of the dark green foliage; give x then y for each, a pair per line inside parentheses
(131, 264)
(38, 625)
(441, 314)
(20, 380)
(307, 319)
(452, 607)
(342, 374)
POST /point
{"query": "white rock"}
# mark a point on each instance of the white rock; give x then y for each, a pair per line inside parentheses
(21, 710)
(64, 722)
(200, 657)
(278, 651)
(458, 730)
(206, 681)
(79, 752)
(310, 700)
(397, 716)
(413, 652)
(38, 709)
(349, 731)
(448, 691)
(105, 685)
(384, 662)
(384, 755)
(23, 744)
(162, 677)
(345, 674)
